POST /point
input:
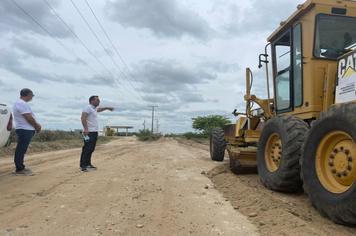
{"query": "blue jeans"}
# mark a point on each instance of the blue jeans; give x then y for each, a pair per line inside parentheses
(23, 141)
(88, 149)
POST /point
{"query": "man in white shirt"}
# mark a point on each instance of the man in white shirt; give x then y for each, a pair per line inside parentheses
(90, 131)
(26, 126)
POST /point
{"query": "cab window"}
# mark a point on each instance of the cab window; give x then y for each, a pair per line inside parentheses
(297, 66)
(334, 35)
(282, 53)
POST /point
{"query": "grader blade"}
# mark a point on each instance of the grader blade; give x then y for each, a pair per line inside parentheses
(243, 159)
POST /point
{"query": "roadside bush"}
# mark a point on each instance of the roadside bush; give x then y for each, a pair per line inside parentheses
(204, 124)
(146, 135)
(50, 135)
(54, 135)
(192, 135)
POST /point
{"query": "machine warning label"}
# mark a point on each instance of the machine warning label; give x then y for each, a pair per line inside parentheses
(346, 87)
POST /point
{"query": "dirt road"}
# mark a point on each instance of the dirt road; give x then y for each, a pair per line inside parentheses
(139, 189)
(161, 188)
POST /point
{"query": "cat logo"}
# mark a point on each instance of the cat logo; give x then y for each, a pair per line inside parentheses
(347, 66)
(346, 84)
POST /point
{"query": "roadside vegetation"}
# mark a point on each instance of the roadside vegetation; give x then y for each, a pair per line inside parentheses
(50, 140)
(202, 126)
(147, 135)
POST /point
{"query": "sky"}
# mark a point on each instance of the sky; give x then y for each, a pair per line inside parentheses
(186, 57)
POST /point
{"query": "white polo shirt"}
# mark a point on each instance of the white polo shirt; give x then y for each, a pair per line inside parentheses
(21, 107)
(92, 119)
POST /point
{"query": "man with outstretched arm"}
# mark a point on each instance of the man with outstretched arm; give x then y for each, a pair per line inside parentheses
(26, 126)
(90, 131)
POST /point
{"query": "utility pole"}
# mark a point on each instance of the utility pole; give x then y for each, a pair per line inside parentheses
(144, 125)
(153, 116)
(157, 126)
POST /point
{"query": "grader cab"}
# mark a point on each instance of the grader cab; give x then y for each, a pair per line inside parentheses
(304, 136)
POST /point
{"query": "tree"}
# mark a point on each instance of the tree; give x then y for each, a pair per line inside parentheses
(205, 124)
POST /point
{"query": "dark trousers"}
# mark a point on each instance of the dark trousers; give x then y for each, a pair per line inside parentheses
(88, 149)
(23, 141)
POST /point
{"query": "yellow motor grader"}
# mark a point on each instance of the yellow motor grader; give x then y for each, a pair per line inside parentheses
(304, 136)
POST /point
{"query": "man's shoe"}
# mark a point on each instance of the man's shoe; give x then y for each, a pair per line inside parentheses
(24, 172)
(83, 169)
(91, 167)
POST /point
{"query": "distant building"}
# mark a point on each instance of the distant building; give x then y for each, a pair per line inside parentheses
(114, 130)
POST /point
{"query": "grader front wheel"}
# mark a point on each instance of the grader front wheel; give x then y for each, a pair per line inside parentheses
(273, 152)
(217, 144)
(329, 164)
(279, 152)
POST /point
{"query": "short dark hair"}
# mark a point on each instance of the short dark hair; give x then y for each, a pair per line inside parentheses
(92, 98)
(25, 92)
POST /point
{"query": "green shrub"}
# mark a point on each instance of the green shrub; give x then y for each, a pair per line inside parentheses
(50, 135)
(204, 124)
(146, 135)
(191, 135)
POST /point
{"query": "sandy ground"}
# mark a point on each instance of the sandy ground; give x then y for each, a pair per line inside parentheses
(139, 188)
(271, 212)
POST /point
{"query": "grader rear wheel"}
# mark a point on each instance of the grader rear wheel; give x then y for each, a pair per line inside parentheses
(329, 164)
(335, 164)
(279, 152)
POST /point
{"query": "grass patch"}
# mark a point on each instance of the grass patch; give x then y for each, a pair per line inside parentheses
(146, 135)
(48, 140)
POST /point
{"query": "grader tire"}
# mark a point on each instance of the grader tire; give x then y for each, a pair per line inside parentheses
(329, 164)
(217, 144)
(279, 153)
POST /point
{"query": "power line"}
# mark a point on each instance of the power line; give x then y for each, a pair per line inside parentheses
(50, 34)
(102, 45)
(111, 42)
(81, 42)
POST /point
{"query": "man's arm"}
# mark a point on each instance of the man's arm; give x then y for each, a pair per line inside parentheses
(85, 123)
(101, 109)
(32, 121)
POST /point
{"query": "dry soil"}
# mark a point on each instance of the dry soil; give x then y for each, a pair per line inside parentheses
(156, 188)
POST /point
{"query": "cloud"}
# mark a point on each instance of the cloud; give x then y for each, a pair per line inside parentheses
(171, 84)
(163, 18)
(11, 61)
(12, 19)
(33, 48)
(216, 66)
(259, 16)
(164, 76)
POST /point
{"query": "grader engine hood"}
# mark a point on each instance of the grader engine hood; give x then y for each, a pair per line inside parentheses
(346, 86)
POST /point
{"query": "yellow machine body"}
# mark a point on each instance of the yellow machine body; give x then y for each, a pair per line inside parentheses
(317, 71)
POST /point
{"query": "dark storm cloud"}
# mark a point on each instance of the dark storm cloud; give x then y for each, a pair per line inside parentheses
(164, 18)
(12, 19)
